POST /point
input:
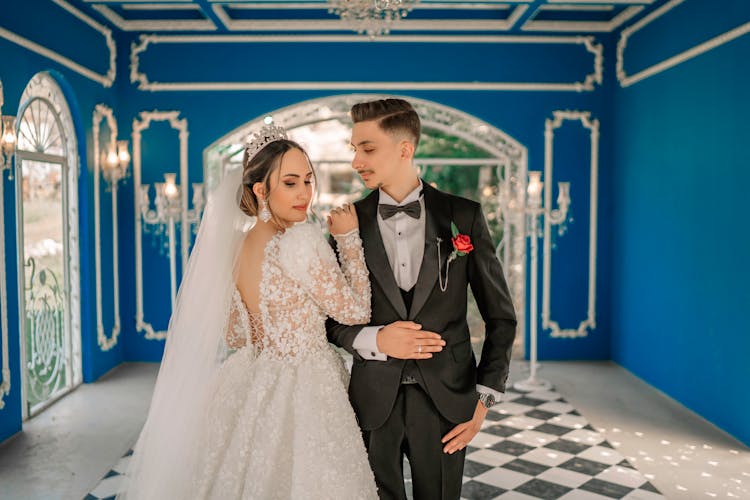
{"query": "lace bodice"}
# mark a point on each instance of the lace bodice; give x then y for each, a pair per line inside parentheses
(301, 285)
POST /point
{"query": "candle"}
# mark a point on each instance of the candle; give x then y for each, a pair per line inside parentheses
(564, 193)
(122, 152)
(534, 188)
(9, 137)
(9, 131)
(111, 159)
(170, 188)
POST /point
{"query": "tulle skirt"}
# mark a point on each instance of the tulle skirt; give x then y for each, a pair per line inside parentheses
(283, 429)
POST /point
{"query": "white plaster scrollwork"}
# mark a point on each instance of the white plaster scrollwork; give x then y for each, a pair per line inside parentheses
(140, 124)
(5, 384)
(255, 24)
(589, 323)
(580, 26)
(587, 84)
(628, 80)
(105, 80)
(157, 25)
(103, 112)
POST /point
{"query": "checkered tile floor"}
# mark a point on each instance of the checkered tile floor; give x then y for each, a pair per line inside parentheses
(532, 445)
(536, 445)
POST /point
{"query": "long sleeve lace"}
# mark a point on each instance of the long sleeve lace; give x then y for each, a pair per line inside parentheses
(352, 259)
(344, 294)
(237, 323)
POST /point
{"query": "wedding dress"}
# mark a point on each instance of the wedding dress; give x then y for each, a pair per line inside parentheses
(272, 420)
(280, 422)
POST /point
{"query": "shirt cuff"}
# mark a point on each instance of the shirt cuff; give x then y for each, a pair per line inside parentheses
(482, 389)
(366, 345)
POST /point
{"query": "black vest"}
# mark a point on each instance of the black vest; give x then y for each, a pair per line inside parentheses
(411, 373)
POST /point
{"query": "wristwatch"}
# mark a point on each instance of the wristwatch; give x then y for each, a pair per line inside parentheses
(487, 399)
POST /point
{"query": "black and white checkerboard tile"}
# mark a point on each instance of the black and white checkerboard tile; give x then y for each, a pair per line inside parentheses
(110, 484)
(536, 445)
(532, 445)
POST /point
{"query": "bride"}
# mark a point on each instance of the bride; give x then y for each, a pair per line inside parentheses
(271, 420)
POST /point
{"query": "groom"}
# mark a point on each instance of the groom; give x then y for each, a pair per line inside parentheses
(415, 386)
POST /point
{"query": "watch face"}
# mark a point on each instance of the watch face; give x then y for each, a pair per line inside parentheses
(487, 400)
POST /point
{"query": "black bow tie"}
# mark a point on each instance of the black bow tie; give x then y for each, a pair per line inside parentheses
(413, 209)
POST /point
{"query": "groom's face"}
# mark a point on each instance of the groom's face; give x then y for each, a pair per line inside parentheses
(377, 155)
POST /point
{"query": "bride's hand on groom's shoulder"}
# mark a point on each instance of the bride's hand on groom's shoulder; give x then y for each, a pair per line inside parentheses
(342, 219)
(407, 340)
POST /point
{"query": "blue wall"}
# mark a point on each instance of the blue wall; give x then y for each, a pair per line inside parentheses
(680, 291)
(521, 114)
(669, 274)
(211, 114)
(82, 94)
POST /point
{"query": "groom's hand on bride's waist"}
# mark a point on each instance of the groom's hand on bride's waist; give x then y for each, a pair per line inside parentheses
(407, 340)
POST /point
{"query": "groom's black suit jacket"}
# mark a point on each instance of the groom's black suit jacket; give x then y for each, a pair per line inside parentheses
(451, 375)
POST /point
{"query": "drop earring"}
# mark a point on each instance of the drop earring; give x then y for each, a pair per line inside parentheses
(265, 214)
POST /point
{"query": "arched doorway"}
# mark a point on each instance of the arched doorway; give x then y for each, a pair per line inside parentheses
(458, 153)
(47, 245)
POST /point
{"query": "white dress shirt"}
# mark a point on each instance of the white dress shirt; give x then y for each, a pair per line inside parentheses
(403, 239)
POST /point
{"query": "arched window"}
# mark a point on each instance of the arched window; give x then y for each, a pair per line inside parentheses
(47, 227)
(458, 153)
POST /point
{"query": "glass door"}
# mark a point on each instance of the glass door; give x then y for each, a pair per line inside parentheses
(44, 294)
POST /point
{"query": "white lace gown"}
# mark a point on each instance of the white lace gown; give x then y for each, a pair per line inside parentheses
(280, 425)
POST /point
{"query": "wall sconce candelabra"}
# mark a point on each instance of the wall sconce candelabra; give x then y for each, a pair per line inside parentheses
(535, 211)
(166, 216)
(111, 163)
(115, 163)
(8, 140)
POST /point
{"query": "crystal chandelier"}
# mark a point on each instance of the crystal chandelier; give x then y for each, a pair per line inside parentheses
(371, 17)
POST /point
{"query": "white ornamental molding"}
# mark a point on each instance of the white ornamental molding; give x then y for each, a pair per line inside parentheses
(628, 80)
(5, 381)
(139, 125)
(44, 86)
(104, 112)
(154, 25)
(587, 84)
(582, 26)
(338, 25)
(549, 134)
(105, 80)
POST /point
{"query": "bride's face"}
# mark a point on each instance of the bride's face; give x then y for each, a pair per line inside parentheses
(291, 187)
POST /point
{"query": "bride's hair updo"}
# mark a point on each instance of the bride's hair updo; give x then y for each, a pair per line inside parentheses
(259, 167)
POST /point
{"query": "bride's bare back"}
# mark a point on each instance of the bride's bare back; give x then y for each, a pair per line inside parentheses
(249, 271)
(249, 276)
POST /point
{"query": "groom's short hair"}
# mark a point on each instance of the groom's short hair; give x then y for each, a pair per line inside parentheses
(392, 115)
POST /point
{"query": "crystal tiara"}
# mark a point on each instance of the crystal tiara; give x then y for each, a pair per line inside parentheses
(265, 136)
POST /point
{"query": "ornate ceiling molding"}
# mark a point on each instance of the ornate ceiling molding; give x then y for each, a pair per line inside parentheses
(105, 80)
(144, 83)
(155, 25)
(583, 26)
(337, 25)
(628, 80)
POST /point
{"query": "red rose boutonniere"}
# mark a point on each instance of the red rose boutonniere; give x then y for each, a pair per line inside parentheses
(461, 243)
(461, 246)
